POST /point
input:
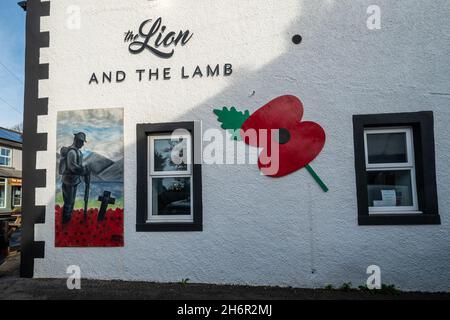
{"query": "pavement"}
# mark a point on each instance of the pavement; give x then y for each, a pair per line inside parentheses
(12, 287)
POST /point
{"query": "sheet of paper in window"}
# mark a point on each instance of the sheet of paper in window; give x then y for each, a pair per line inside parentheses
(380, 203)
(389, 197)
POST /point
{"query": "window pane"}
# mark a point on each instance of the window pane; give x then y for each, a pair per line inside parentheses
(171, 196)
(5, 152)
(3, 161)
(17, 196)
(2, 196)
(163, 149)
(389, 188)
(387, 147)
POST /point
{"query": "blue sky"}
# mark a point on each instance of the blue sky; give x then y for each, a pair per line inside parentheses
(12, 55)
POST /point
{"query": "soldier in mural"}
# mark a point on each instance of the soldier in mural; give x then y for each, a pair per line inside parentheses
(71, 169)
(89, 197)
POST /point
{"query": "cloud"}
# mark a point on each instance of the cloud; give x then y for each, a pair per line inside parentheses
(101, 118)
(103, 129)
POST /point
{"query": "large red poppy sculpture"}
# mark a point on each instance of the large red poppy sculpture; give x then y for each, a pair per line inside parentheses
(299, 142)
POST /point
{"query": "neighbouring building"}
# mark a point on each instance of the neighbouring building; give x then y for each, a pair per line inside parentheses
(262, 142)
(10, 172)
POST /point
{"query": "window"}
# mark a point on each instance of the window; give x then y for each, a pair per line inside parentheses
(395, 169)
(5, 157)
(17, 196)
(169, 181)
(391, 177)
(2, 193)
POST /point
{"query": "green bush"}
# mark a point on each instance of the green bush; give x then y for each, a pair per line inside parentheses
(347, 286)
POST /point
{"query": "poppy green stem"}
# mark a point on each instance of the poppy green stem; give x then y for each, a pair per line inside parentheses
(317, 178)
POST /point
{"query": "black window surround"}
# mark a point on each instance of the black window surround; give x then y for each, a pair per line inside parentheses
(422, 124)
(142, 132)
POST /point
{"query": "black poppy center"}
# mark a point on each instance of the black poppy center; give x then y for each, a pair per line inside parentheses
(283, 136)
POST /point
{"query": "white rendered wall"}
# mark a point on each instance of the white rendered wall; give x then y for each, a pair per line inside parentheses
(259, 230)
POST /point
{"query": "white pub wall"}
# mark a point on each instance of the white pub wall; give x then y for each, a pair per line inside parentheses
(258, 230)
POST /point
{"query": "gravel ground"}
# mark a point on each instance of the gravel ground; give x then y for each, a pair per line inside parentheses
(12, 287)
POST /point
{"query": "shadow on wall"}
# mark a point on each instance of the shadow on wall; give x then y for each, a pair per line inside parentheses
(290, 254)
(329, 71)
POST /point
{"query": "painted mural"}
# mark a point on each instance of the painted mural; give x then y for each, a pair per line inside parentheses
(89, 178)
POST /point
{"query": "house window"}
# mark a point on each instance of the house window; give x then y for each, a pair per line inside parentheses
(17, 196)
(395, 169)
(5, 157)
(391, 177)
(170, 179)
(169, 194)
(2, 193)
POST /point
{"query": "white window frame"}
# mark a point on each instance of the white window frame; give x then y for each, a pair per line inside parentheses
(408, 165)
(13, 196)
(10, 157)
(168, 174)
(5, 185)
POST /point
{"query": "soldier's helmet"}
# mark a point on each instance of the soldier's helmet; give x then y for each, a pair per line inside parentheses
(80, 136)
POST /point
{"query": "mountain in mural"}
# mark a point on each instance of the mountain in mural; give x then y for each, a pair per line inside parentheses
(102, 168)
(96, 162)
(113, 173)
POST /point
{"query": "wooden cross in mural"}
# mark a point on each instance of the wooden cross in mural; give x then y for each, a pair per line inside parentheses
(106, 200)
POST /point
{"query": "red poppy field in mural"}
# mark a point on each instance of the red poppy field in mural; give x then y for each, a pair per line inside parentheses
(89, 233)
